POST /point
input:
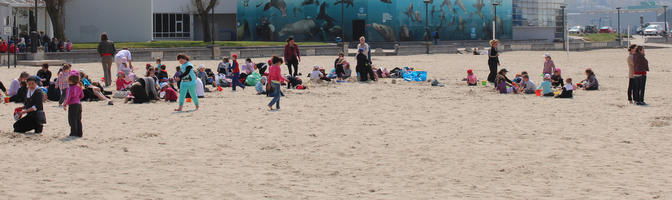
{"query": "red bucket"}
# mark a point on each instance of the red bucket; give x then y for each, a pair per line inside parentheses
(538, 92)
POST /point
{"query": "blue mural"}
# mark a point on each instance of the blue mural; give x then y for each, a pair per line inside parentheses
(379, 20)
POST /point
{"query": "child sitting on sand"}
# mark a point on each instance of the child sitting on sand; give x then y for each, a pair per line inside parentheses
(123, 84)
(261, 85)
(567, 90)
(471, 78)
(591, 82)
(223, 67)
(547, 91)
(556, 78)
(504, 85)
(168, 93)
(527, 86)
(315, 75)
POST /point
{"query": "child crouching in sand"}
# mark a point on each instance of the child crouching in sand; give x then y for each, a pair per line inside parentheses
(471, 78)
(72, 100)
(261, 85)
(275, 79)
(168, 93)
(567, 90)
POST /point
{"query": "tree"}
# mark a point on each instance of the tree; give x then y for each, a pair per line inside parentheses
(55, 10)
(203, 8)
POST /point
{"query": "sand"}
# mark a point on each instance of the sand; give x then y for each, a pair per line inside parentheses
(362, 141)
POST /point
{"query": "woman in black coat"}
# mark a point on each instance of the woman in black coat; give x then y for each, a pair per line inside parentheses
(34, 114)
(493, 61)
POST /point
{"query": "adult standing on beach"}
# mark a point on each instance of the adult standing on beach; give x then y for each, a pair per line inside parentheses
(631, 71)
(292, 56)
(188, 81)
(106, 51)
(363, 45)
(640, 70)
(493, 60)
(119, 59)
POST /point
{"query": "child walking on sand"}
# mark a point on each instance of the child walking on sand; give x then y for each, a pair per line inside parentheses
(188, 81)
(74, 94)
(275, 78)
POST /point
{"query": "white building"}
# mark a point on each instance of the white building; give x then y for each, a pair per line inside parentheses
(123, 20)
(15, 16)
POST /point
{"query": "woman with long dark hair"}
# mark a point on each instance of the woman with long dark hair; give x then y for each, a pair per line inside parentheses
(640, 71)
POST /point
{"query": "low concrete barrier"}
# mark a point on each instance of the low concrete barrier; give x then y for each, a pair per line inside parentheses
(411, 50)
(442, 49)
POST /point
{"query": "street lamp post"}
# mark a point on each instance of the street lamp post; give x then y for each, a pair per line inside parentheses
(667, 29)
(427, 34)
(564, 28)
(343, 23)
(619, 27)
(494, 20)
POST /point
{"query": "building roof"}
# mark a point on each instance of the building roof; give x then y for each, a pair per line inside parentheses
(23, 3)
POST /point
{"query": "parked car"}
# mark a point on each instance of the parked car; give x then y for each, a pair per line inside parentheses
(640, 30)
(607, 29)
(576, 30)
(653, 30)
(590, 29)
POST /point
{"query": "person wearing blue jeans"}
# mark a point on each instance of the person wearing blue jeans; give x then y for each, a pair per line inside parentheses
(276, 96)
(236, 81)
(188, 81)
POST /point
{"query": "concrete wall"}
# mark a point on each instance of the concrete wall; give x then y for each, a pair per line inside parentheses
(534, 33)
(123, 20)
(225, 24)
(186, 6)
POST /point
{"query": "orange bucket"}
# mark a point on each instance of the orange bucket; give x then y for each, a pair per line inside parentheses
(538, 92)
(188, 99)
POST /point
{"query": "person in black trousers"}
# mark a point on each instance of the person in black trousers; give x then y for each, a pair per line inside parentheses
(32, 107)
(640, 71)
(45, 75)
(493, 61)
(364, 67)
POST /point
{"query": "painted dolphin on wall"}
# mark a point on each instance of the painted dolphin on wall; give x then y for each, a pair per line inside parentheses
(305, 26)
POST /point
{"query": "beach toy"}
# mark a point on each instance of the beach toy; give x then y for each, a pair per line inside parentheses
(485, 83)
(538, 92)
(188, 100)
(6, 99)
(102, 79)
(300, 87)
(219, 88)
(556, 92)
(17, 113)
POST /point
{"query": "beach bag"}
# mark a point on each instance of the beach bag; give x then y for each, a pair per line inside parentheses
(120, 94)
(253, 79)
(417, 76)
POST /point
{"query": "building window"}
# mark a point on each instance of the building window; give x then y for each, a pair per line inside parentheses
(172, 26)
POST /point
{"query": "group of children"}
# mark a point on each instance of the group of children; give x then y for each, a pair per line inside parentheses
(553, 84)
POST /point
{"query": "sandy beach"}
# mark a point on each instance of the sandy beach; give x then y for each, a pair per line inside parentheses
(361, 141)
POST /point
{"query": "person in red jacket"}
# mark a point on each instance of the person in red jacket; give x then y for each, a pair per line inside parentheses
(292, 56)
(236, 74)
(275, 79)
(3, 47)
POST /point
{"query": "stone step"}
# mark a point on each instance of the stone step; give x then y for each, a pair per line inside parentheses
(40, 62)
